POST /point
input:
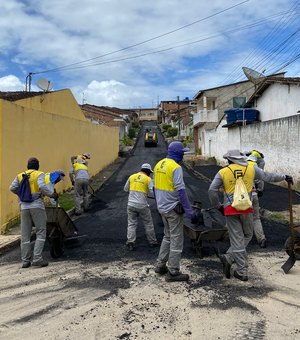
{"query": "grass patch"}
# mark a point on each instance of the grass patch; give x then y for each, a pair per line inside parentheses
(66, 201)
(277, 216)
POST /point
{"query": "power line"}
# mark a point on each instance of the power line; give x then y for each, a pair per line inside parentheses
(145, 41)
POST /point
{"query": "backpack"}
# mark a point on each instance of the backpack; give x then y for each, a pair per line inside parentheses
(24, 191)
(241, 200)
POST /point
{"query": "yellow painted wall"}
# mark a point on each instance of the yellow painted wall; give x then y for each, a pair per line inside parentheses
(53, 139)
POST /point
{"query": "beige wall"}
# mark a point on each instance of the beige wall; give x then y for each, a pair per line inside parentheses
(53, 139)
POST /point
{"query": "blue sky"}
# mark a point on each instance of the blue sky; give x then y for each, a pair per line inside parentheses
(142, 52)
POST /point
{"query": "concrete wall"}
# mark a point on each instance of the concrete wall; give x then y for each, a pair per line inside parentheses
(287, 102)
(52, 138)
(278, 140)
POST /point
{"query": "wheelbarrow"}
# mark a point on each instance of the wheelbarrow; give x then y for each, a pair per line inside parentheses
(211, 229)
(59, 227)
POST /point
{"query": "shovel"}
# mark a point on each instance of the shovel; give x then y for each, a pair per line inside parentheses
(292, 258)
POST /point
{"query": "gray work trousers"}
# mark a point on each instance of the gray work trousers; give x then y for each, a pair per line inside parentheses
(145, 214)
(240, 229)
(172, 243)
(81, 187)
(38, 218)
(257, 226)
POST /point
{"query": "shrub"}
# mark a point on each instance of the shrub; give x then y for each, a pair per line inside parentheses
(165, 127)
(135, 125)
(131, 133)
(127, 141)
(172, 132)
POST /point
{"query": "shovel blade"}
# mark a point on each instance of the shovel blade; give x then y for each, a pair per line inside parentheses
(286, 267)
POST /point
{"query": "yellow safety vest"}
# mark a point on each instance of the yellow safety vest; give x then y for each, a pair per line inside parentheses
(33, 179)
(47, 177)
(79, 166)
(163, 174)
(139, 182)
(230, 174)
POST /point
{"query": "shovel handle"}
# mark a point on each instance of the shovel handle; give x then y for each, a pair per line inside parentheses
(291, 215)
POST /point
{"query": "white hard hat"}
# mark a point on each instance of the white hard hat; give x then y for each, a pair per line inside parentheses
(146, 166)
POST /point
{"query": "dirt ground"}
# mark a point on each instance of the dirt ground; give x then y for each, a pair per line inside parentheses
(125, 299)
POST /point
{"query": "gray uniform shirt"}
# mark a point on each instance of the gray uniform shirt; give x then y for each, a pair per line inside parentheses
(217, 183)
(37, 196)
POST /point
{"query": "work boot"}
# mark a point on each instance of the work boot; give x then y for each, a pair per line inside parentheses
(177, 277)
(240, 277)
(226, 266)
(40, 263)
(161, 270)
(130, 246)
(26, 265)
(263, 243)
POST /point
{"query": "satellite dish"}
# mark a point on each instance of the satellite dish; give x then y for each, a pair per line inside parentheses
(44, 84)
(254, 76)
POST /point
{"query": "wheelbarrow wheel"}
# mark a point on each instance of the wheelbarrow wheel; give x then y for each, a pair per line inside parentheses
(57, 244)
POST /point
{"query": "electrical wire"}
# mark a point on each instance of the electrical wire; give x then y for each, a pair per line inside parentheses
(145, 41)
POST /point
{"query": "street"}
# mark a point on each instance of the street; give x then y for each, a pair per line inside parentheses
(100, 290)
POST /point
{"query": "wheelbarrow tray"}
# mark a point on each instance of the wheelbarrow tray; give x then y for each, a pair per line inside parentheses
(195, 232)
(200, 233)
(56, 216)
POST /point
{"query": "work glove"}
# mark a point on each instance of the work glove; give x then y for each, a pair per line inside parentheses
(259, 193)
(289, 179)
(54, 195)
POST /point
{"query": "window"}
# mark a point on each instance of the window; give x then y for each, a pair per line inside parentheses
(238, 101)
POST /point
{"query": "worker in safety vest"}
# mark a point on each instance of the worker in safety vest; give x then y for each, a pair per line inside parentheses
(260, 161)
(140, 186)
(239, 223)
(33, 213)
(172, 203)
(79, 177)
(52, 178)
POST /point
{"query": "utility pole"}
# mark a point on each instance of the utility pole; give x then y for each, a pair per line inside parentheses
(178, 116)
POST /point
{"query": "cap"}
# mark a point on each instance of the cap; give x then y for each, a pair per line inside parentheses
(252, 158)
(86, 155)
(177, 147)
(234, 154)
(146, 166)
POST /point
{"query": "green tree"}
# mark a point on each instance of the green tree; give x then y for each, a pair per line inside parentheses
(165, 127)
(131, 133)
(172, 132)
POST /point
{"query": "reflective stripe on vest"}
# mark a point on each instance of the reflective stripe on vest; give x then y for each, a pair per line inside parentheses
(163, 174)
(47, 177)
(230, 173)
(139, 182)
(33, 179)
(78, 166)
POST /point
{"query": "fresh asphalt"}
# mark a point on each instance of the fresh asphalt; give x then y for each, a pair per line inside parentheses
(105, 224)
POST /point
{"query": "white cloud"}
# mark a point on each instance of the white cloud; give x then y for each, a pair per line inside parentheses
(40, 35)
(109, 93)
(11, 83)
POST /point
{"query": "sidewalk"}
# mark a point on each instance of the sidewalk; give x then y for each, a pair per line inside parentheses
(12, 238)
